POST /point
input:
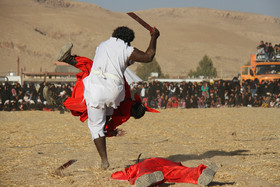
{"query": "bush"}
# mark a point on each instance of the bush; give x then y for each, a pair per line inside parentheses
(205, 68)
(144, 70)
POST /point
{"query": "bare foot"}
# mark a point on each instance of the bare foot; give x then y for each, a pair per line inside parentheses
(105, 165)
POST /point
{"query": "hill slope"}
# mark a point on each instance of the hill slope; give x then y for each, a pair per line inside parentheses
(35, 30)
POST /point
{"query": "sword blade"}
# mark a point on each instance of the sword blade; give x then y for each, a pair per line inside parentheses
(141, 21)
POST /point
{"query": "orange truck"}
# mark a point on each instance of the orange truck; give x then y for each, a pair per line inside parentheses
(261, 69)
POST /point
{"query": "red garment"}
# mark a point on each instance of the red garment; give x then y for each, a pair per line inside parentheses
(76, 103)
(78, 107)
(172, 171)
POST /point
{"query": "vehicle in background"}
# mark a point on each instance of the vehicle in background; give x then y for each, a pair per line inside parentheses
(261, 69)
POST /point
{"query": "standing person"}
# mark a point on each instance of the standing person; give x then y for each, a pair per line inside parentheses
(104, 87)
(270, 51)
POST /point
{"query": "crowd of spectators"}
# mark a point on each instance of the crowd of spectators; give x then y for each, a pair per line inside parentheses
(267, 52)
(207, 94)
(159, 95)
(16, 97)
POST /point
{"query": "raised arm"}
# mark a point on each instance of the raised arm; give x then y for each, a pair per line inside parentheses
(145, 57)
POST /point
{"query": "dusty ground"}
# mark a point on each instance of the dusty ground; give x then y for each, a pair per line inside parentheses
(244, 142)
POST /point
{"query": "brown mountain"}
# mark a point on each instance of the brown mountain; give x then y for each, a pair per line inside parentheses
(35, 30)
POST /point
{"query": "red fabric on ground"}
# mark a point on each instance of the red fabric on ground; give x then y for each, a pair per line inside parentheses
(172, 171)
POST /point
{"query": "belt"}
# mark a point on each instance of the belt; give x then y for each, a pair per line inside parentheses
(106, 75)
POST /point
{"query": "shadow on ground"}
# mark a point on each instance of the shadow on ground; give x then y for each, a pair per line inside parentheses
(214, 183)
(208, 154)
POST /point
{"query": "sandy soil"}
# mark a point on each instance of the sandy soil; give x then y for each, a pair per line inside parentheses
(244, 142)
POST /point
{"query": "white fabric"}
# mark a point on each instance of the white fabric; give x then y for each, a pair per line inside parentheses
(110, 58)
(97, 120)
(131, 77)
(104, 87)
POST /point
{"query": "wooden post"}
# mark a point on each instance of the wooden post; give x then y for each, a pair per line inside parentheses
(18, 67)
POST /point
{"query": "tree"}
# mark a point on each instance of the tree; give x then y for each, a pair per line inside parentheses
(205, 68)
(144, 70)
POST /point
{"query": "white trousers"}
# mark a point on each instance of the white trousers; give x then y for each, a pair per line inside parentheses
(97, 120)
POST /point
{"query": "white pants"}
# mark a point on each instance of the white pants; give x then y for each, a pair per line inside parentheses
(97, 120)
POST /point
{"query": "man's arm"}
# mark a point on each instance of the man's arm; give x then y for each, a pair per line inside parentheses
(145, 57)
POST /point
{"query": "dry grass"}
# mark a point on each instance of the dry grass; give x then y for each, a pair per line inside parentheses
(244, 142)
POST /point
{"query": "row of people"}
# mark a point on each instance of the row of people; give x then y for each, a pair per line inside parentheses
(205, 94)
(154, 94)
(18, 97)
(267, 52)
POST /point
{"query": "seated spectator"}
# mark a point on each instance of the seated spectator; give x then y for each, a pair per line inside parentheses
(153, 102)
(13, 105)
(169, 103)
(145, 101)
(201, 103)
(182, 103)
(158, 100)
(164, 101)
(174, 102)
(257, 101)
(7, 105)
(219, 102)
(266, 100)
(250, 101)
(277, 102)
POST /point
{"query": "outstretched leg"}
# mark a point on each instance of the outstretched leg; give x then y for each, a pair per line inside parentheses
(65, 55)
(96, 123)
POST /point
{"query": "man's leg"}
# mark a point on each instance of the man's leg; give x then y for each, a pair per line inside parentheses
(65, 55)
(100, 144)
(96, 123)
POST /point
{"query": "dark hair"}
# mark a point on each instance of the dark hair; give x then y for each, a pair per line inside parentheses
(124, 33)
(137, 110)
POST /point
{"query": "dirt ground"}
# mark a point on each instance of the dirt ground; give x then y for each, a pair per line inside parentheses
(244, 142)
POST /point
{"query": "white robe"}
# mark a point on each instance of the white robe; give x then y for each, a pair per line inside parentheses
(104, 87)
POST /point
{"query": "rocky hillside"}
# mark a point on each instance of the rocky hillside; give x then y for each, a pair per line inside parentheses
(35, 30)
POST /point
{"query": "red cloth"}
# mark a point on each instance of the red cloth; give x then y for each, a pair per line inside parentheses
(172, 171)
(77, 105)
